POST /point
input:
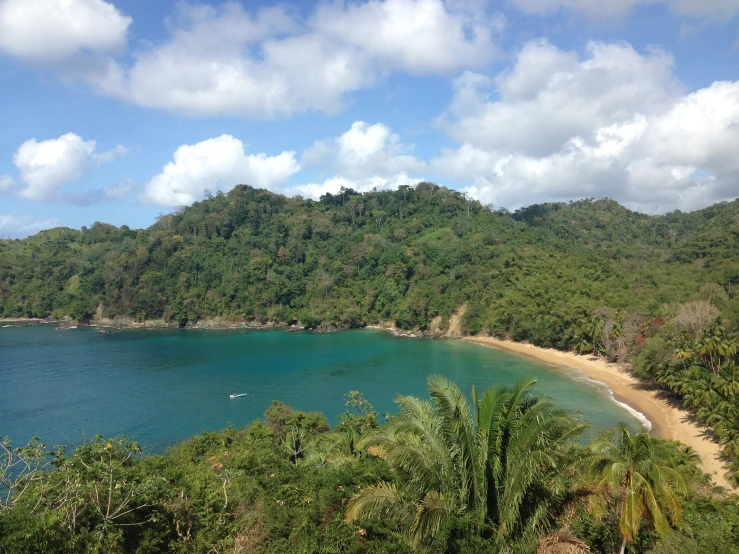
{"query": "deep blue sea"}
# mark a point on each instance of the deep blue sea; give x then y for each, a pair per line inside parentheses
(163, 386)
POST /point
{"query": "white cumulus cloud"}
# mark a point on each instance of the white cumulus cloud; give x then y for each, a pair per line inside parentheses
(364, 150)
(611, 123)
(216, 164)
(602, 8)
(551, 96)
(52, 30)
(45, 166)
(272, 62)
(364, 157)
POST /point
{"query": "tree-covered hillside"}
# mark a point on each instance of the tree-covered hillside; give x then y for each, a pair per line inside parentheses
(403, 256)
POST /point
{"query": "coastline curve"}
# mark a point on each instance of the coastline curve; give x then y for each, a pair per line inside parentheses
(667, 421)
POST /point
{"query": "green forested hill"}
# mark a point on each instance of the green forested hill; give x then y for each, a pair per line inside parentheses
(404, 256)
(658, 291)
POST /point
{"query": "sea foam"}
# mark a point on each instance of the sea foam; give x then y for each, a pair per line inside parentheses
(637, 414)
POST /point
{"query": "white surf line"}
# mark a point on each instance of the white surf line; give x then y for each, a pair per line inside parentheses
(637, 414)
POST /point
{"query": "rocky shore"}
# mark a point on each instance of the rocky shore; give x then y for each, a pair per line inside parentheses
(436, 330)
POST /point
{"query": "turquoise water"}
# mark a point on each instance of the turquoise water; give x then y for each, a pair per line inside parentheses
(163, 386)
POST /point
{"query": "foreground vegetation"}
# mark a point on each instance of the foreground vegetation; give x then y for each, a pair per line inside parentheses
(659, 292)
(504, 473)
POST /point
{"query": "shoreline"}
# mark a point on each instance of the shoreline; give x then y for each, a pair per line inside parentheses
(668, 421)
(222, 324)
(123, 323)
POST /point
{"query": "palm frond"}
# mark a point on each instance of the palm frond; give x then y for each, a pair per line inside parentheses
(432, 510)
(631, 514)
(458, 428)
(644, 489)
(377, 501)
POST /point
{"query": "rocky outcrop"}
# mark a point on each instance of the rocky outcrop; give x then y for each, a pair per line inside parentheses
(331, 327)
(435, 330)
(452, 331)
(454, 328)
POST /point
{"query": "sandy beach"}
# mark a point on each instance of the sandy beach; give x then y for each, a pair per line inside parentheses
(668, 422)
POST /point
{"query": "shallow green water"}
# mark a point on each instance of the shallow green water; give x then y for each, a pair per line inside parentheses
(164, 386)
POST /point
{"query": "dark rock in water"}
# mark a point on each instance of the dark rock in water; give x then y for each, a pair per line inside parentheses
(412, 333)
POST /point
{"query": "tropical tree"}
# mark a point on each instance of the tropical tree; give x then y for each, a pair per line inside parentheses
(594, 328)
(629, 474)
(21, 467)
(339, 446)
(581, 342)
(710, 407)
(728, 380)
(732, 474)
(727, 428)
(500, 462)
(716, 347)
(617, 329)
(684, 352)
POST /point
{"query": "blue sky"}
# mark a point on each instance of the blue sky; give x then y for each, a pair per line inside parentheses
(119, 110)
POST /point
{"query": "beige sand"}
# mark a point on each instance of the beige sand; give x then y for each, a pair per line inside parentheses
(668, 421)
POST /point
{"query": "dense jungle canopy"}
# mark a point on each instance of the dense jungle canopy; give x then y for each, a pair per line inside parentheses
(404, 256)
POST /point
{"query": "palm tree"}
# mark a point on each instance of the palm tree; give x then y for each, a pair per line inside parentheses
(707, 344)
(727, 428)
(732, 475)
(699, 391)
(728, 380)
(710, 407)
(617, 329)
(581, 342)
(339, 446)
(630, 474)
(497, 462)
(729, 440)
(684, 352)
(594, 327)
(716, 347)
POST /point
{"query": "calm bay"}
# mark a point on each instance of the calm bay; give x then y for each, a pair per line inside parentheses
(162, 386)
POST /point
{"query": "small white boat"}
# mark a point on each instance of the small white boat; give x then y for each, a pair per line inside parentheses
(237, 395)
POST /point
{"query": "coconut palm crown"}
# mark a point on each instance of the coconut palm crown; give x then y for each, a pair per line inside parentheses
(499, 461)
(629, 474)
